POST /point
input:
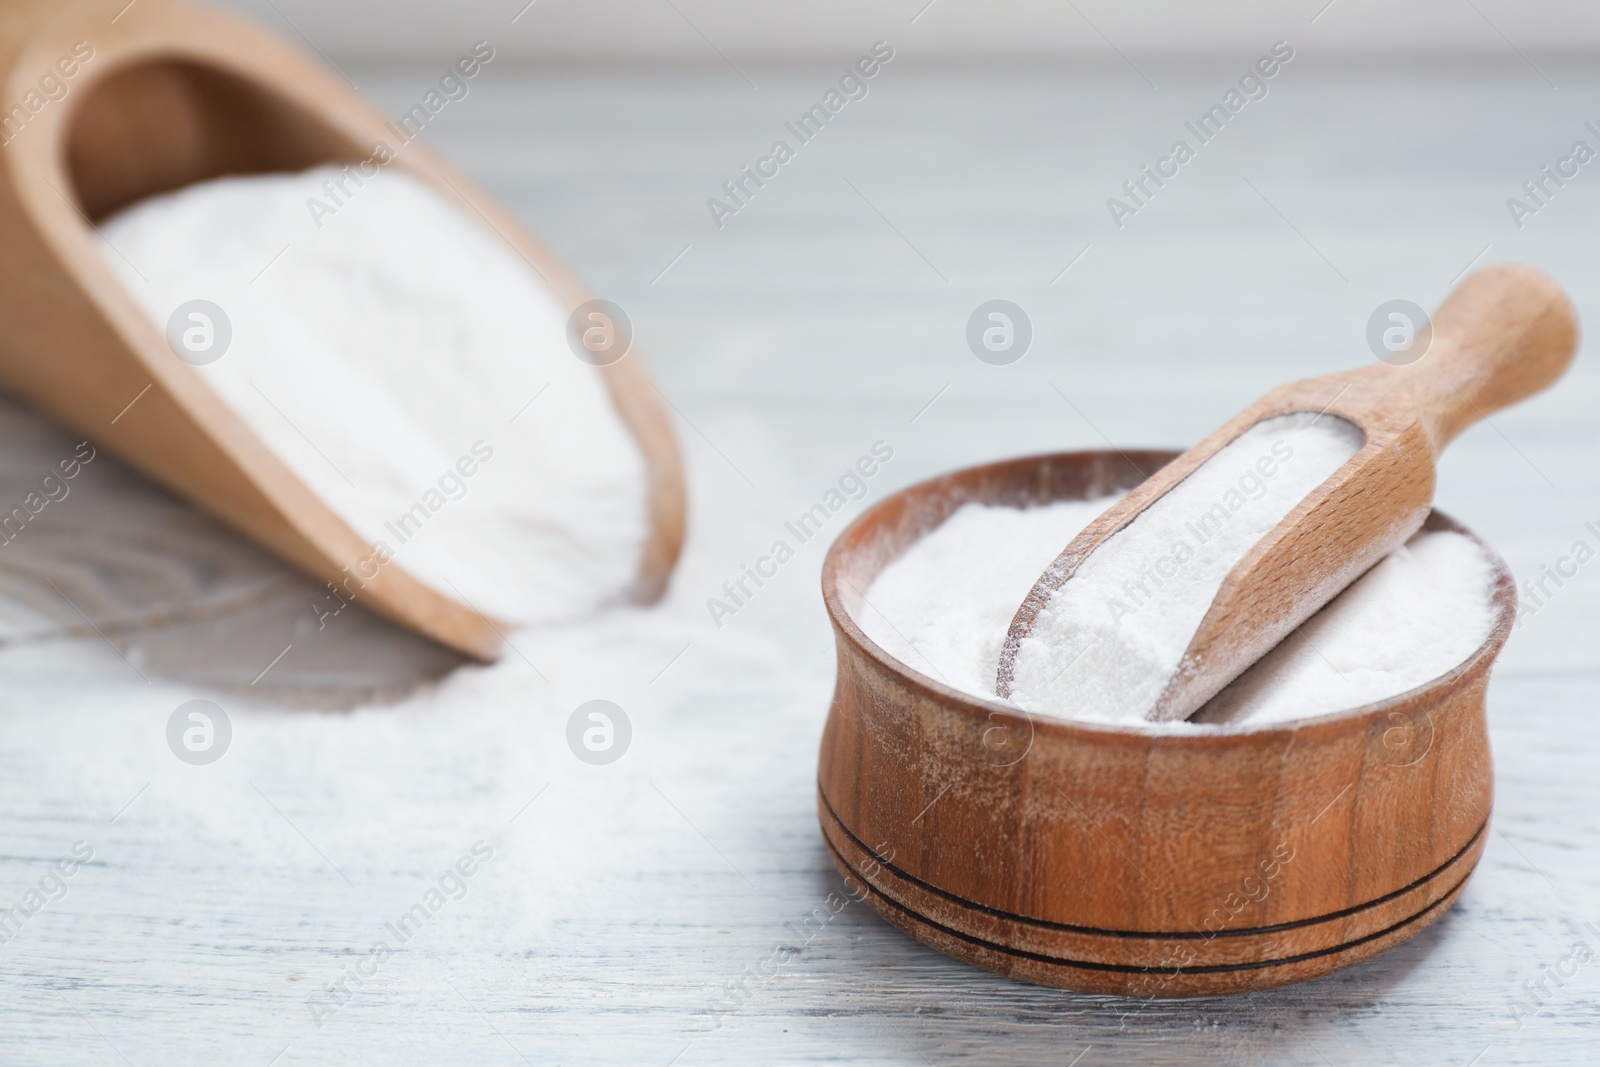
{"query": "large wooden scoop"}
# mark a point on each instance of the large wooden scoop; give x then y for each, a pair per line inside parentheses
(1505, 333)
(116, 102)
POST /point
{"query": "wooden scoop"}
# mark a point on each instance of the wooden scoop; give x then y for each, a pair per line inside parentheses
(116, 102)
(1505, 333)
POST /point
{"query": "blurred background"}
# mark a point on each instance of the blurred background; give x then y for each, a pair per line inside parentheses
(690, 29)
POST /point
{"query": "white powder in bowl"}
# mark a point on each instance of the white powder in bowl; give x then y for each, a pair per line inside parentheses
(1107, 643)
(943, 608)
(1419, 613)
(389, 358)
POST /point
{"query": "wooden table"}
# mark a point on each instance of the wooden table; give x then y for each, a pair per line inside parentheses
(654, 911)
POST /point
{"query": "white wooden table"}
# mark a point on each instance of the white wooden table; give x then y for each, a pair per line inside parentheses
(623, 902)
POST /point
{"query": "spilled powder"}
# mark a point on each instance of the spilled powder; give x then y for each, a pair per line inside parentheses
(391, 358)
(944, 606)
(1107, 643)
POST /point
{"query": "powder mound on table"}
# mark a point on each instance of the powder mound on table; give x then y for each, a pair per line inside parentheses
(943, 608)
(1107, 643)
(392, 358)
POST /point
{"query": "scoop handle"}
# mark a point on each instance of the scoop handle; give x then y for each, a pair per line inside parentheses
(1502, 335)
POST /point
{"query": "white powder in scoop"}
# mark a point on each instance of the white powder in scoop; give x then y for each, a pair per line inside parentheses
(391, 358)
(1107, 643)
(943, 608)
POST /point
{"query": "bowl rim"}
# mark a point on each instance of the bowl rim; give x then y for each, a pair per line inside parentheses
(1504, 592)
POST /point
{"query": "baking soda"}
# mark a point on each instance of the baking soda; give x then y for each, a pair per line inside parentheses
(412, 370)
(1417, 614)
(944, 606)
(1110, 639)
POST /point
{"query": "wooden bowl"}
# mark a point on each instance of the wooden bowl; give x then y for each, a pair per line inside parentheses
(171, 94)
(1116, 860)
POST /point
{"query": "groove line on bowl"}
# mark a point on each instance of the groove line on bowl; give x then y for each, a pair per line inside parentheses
(1128, 968)
(1051, 924)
